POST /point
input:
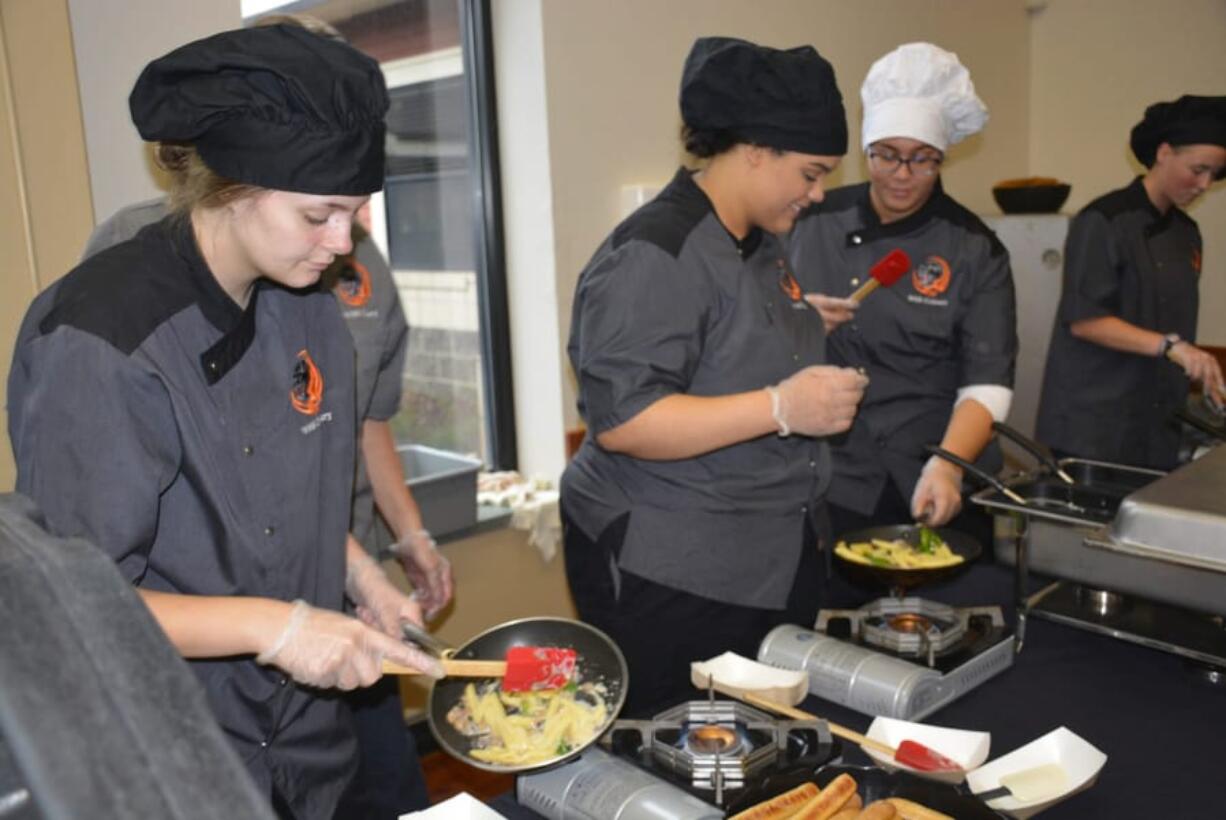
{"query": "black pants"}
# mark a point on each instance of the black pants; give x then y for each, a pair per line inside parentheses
(662, 630)
(389, 781)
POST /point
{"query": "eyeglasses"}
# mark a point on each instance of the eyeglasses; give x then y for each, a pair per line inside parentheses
(922, 165)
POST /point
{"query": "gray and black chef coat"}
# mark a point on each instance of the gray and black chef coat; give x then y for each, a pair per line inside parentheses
(370, 305)
(672, 304)
(210, 451)
(947, 324)
(1122, 258)
(366, 293)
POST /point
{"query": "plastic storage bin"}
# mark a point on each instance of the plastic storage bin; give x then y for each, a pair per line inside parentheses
(444, 485)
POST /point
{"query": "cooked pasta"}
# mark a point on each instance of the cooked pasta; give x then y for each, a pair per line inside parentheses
(898, 554)
(522, 728)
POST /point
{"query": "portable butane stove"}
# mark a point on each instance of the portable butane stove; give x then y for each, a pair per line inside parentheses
(897, 657)
(691, 759)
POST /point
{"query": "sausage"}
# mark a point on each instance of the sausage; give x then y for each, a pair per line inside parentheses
(829, 801)
(780, 806)
(880, 810)
(910, 810)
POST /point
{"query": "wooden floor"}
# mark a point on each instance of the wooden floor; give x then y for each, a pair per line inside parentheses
(447, 777)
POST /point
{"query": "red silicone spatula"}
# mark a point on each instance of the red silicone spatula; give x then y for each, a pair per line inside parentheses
(909, 752)
(526, 668)
(888, 270)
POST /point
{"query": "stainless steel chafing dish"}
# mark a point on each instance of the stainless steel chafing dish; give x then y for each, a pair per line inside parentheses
(1162, 539)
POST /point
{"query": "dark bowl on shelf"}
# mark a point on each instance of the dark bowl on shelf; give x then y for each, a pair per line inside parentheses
(1031, 199)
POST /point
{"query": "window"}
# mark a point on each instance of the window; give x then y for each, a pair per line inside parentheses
(438, 220)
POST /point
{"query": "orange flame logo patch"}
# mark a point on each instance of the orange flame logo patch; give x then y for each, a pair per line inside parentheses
(353, 285)
(931, 277)
(308, 385)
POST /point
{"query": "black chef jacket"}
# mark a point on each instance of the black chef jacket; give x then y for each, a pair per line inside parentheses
(949, 323)
(1122, 258)
(210, 451)
(672, 304)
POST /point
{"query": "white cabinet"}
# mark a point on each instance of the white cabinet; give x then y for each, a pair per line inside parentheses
(1036, 252)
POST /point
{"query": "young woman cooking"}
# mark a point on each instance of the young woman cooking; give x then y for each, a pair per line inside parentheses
(939, 344)
(185, 399)
(1122, 351)
(687, 511)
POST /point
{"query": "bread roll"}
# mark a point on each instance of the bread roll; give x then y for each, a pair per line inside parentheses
(781, 806)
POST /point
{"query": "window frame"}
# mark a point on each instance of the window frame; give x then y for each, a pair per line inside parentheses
(477, 51)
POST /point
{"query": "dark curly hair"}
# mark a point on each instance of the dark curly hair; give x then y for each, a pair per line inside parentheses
(705, 144)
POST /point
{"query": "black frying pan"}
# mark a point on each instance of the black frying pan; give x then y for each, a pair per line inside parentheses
(599, 659)
(903, 579)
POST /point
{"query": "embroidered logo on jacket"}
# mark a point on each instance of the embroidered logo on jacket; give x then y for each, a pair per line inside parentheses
(790, 287)
(353, 284)
(1196, 259)
(307, 389)
(931, 277)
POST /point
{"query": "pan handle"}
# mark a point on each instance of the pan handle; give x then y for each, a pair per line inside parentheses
(986, 478)
(1034, 448)
(435, 646)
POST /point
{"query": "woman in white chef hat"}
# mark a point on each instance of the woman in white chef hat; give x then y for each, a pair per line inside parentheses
(939, 344)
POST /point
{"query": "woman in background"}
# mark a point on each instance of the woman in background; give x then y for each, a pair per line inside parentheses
(1122, 348)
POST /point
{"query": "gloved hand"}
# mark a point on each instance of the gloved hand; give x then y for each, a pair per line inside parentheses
(938, 493)
(817, 401)
(427, 570)
(379, 603)
(1200, 366)
(834, 311)
(326, 649)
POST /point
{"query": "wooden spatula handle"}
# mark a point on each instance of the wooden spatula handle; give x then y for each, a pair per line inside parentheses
(835, 729)
(454, 669)
(864, 290)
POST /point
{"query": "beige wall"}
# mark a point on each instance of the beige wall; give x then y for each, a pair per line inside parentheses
(612, 72)
(114, 41)
(1095, 65)
(45, 210)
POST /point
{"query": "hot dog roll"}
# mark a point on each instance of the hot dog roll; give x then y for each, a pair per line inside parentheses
(880, 810)
(846, 814)
(781, 806)
(910, 810)
(831, 799)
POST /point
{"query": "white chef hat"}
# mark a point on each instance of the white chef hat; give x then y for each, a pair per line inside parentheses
(920, 91)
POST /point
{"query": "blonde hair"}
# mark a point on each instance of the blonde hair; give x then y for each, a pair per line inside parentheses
(193, 183)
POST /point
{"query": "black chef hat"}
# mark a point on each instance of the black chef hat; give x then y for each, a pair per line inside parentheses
(1188, 120)
(781, 99)
(272, 106)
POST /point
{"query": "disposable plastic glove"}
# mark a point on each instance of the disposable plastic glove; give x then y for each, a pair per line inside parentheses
(834, 311)
(427, 570)
(378, 601)
(938, 493)
(328, 650)
(818, 400)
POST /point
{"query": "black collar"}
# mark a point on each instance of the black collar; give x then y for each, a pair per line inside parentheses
(687, 187)
(872, 227)
(236, 324)
(1155, 221)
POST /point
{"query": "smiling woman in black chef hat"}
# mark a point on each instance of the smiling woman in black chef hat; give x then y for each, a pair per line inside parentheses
(687, 511)
(1122, 351)
(185, 399)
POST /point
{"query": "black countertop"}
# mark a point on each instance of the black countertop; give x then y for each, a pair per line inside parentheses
(1161, 724)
